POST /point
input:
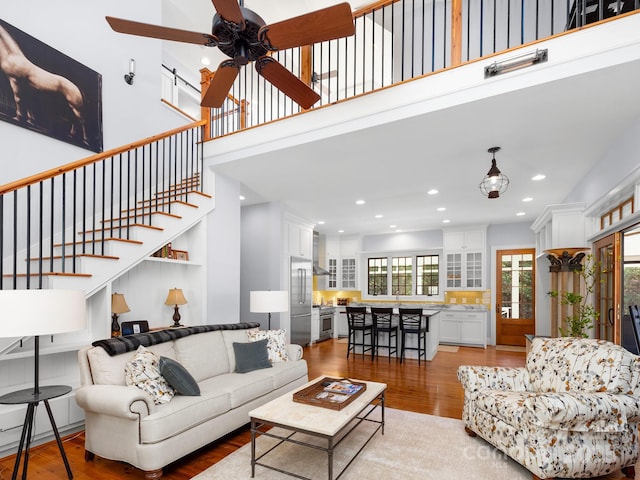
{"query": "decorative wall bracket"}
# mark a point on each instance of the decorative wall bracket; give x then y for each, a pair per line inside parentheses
(566, 259)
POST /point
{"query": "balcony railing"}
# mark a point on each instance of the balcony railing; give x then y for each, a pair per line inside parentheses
(399, 40)
(52, 219)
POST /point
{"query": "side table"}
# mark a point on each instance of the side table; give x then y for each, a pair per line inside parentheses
(32, 399)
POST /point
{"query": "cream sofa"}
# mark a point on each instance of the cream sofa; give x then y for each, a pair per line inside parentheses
(123, 422)
(572, 412)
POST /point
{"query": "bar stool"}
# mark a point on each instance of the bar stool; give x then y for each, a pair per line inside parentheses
(357, 322)
(383, 323)
(414, 322)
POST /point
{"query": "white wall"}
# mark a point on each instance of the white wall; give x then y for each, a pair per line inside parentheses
(78, 29)
(223, 247)
(262, 244)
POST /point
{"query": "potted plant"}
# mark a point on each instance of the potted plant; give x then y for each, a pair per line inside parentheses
(582, 312)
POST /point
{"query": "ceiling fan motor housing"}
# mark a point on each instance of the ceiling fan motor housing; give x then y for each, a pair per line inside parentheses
(237, 42)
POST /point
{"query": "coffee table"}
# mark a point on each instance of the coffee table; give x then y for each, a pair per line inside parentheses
(331, 425)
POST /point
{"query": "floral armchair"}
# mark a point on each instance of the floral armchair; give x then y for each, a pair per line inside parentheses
(572, 412)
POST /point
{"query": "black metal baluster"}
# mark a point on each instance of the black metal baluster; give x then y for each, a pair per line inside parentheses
(40, 235)
(28, 249)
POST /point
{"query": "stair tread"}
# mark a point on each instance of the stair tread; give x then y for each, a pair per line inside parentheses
(111, 220)
(106, 239)
(141, 225)
(48, 274)
(86, 255)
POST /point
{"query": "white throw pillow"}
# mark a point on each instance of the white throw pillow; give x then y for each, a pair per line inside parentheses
(276, 343)
(143, 371)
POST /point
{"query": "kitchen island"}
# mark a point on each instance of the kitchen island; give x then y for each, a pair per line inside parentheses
(453, 324)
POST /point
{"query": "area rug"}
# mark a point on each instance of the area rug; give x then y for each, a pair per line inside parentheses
(414, 446)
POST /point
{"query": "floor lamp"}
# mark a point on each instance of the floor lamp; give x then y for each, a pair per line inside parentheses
(31, 313)
(270, 301)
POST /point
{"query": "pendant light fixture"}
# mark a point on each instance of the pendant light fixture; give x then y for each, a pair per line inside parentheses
(494, 182)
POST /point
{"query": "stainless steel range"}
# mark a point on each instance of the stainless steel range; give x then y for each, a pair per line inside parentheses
(326, 322)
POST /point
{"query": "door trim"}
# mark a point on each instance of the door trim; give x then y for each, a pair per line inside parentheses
(491, 319)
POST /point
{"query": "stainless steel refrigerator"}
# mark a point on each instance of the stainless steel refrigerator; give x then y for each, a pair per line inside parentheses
(300, 293)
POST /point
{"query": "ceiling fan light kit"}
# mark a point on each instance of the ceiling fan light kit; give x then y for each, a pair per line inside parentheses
(494, 182)
(244, 37)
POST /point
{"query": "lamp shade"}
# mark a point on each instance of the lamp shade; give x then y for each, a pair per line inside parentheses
(269, 301)
(42, 312)
(118, 304)
(175, 297)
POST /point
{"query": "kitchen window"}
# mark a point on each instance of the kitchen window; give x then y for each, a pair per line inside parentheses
(427, 275)
(401, 275)
(410, 275)
(377, 276)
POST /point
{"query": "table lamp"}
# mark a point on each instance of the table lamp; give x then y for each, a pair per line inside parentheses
(118, 306)
(175, 298)
(34, 313)
(269, 301)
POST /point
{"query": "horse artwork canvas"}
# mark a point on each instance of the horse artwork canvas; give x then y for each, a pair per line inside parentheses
(45, 91)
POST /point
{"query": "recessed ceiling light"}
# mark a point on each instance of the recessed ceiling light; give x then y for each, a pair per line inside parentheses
(537, 177)
(446, 220)
(340, 231)
(393, 226)
(360, 202)
(320, 222)
(241, 197)
(527, 199)
(433, 191)
(379, 215)
(520, 214)
(441, 209)
(205, 61)
(398, 231)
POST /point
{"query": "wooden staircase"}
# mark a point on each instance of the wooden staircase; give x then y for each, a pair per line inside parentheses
(97, 256)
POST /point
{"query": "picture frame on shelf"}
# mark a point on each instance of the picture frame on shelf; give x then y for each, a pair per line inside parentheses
(180, 255)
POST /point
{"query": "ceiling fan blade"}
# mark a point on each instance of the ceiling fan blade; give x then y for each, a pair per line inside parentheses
(326, 24)
(287, 82)
(220, 85)
(121, 25)
(229, 10)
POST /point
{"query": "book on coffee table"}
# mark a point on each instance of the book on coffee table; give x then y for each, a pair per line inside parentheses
(334, 393)
(344, 386)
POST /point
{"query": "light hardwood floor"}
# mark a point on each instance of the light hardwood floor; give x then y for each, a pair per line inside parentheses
(430, 388)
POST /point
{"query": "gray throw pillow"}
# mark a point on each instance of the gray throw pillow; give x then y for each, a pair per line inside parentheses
(178, 377)
(251, 356)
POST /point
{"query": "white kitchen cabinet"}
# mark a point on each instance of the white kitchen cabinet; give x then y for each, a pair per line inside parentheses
(315, 325)
(300, 240)
(342, 262)
(463, 328)
(340, 322)
(349, 274)
(465, 259)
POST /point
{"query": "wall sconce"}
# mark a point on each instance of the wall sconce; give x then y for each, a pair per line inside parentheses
(118, 306)
(268, 301)
(175, 298)
(521, 61)
(494, 182)
(128, 77)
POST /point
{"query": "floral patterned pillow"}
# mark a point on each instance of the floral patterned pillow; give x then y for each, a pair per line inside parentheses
(276, 343)
(143, 371)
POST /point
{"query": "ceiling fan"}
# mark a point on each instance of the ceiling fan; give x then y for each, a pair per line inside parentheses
(245, 37)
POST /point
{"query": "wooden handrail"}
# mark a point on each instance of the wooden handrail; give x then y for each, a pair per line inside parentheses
(361, 12)
(54, 172)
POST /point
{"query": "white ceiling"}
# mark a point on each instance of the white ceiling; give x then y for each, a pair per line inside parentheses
(559, 129)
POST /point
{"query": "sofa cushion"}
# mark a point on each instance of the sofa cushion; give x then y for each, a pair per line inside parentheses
(178, 377)
(284, 373)
(108, 370)
(184, 413)
(229, 337)
(241, 388)
(504, 405)
(579, 364)
(276, 343)
(142, 371)
(251, 356)
(203, 355)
